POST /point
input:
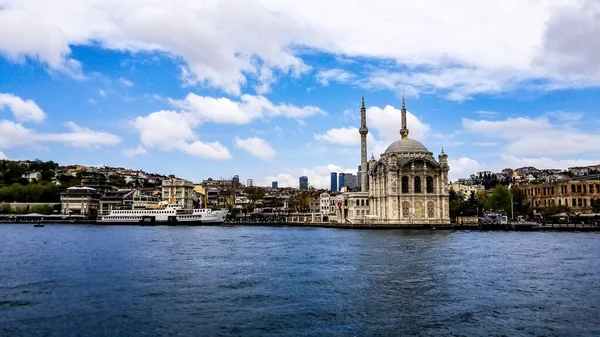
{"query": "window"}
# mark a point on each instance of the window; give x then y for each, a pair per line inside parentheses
(579, 202)
(362, 202)
(559, 202)
(578, 188)
(417, 184)
(429, 184)
(573, 189)
(357, 202)
(430, 209)
(405, 209)
(367, 202)
(591, 188)
(574, 202)
(584, 188)
(404, 184)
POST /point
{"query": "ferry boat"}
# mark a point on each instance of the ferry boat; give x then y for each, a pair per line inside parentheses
(172, 214)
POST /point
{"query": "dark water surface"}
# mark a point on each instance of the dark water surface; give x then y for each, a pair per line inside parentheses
(201, 281)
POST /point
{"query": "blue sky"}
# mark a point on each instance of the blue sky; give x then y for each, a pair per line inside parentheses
(271, 90)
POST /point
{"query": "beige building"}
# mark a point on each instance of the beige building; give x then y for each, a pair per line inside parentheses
(407, 186)
(577, 195)
(179, 191)
(80, 201)
(466, 190)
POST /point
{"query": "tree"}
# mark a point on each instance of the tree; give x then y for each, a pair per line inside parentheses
(595, 205)
(255, 193)
(499, 200)
(456, 202)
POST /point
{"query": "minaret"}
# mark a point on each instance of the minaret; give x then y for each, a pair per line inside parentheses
(404, 130)
(363, 146)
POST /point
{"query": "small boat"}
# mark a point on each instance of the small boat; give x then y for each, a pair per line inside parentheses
(38, 225)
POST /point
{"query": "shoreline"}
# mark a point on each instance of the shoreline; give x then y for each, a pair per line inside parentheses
(509, 227)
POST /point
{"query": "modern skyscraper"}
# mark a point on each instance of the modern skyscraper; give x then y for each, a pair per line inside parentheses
(334, 187)
(363, 145)
(303, 183)
(236, 181)
(249, 182)
(342, 181)
(351, 181)
(274, 185)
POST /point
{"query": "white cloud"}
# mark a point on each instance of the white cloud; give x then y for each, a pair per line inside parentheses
(138, 151)
(39, 38)
(102, 93)
(462, 167)
(249, 108)
(257, 147)
(382, 130)
(470, 49)
(338, 75)
(535, 137)
(387, 122)
(3, 156)
(211, 150)
(570, 43)
(171, 130)
(318, 177)
(80, 137)
(544, 162)
(347, 136)
(14, 134)
(125, 82)
(174, 130)
(23, 111)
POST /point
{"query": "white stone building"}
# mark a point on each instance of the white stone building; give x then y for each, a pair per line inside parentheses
(179, 191)
(32, 176)
(407, 185)
(80, 201)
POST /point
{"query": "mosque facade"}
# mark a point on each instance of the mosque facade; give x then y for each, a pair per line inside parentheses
(406, 185)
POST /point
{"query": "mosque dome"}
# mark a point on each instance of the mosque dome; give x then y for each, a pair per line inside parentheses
(406, 145)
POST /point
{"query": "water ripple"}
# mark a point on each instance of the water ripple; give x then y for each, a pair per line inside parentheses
(99, 281)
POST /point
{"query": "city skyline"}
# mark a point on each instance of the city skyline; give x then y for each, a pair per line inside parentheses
(281, 99)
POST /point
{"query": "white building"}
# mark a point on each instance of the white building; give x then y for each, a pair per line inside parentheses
(466, 190)
(80, 201)
(179, 191)
(32, 176)
(406, 186)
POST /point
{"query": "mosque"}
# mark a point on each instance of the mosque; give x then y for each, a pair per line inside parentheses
(405, 186)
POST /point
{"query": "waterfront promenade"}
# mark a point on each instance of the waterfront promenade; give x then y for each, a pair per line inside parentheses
(516, 226)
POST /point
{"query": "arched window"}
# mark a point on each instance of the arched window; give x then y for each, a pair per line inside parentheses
(417, 184)
(430, 209)
(429, 184)
(404, 184)
(405, 209)
(362, 202)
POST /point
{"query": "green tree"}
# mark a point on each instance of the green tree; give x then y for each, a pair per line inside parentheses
(456, 203)
(499, 200)
(255, 193)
